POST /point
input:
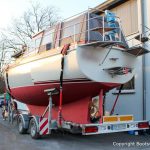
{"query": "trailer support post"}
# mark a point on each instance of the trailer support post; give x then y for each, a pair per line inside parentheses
(50, 113)
(101, 105)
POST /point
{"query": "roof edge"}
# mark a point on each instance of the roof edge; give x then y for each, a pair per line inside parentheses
(109, 4)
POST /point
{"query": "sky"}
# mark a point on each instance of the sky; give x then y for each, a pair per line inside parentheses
(11, 9)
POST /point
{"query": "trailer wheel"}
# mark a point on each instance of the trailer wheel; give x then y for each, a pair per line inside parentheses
(21, 128)
(34, 129)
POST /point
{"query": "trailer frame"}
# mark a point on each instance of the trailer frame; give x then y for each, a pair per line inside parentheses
(31, 124)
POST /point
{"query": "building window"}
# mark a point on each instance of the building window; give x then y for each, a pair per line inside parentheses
(128, 87)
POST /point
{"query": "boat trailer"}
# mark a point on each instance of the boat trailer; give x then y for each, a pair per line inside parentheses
(42, 125)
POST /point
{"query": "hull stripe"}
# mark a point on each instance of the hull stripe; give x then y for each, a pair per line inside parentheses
(42, 83)
(65, 81)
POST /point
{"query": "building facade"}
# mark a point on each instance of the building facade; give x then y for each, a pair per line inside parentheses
(135, 96)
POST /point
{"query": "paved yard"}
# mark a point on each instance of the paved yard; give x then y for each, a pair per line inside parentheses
(11, 140)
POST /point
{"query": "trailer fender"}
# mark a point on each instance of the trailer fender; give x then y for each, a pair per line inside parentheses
(25, 118)
(36, 118)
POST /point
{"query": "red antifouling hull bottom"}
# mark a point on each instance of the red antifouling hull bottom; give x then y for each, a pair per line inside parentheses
(76, 111)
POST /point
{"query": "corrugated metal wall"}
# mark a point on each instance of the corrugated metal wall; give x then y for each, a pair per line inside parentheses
(131, 103)
(128, 15)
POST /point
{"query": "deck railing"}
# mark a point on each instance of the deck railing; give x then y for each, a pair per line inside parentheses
(105, 30)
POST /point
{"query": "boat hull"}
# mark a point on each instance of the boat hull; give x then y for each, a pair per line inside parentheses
(84, 74)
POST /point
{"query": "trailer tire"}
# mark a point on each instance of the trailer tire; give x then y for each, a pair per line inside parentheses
(34, 129)
(21, 128)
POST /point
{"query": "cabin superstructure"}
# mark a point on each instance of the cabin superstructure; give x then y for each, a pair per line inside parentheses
(87, 28)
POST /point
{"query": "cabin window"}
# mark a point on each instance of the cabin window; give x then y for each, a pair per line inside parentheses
(48, 46)
(73, 30)
(37, 42)
(32, 46)
(48, 37)
(68, 31)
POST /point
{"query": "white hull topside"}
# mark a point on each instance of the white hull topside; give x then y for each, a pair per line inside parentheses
(83, 62)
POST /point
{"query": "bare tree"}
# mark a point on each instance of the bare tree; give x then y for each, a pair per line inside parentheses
(33, 20)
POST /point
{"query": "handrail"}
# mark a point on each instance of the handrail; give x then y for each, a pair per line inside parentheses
(74, 26)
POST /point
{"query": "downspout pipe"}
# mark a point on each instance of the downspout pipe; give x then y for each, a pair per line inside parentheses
(143, 15)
